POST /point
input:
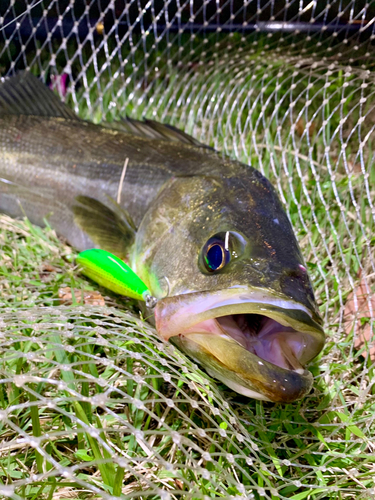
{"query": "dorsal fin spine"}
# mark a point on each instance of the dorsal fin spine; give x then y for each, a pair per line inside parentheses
(24, 94)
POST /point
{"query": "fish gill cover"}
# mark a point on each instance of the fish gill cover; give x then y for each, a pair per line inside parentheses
(92, 402)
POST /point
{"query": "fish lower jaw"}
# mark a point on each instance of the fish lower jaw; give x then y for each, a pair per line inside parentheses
(263, 337)
(237, 386)
(226, 359)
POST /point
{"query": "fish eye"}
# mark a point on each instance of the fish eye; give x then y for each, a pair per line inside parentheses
(220, 249)
(215, 257)
(216, 252)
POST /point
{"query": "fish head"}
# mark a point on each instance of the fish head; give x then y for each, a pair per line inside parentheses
(220, 255)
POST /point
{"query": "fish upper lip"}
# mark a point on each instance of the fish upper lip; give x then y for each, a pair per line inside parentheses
(290, 336)
(176, 314)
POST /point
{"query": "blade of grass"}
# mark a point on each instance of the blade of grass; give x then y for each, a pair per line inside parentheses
(106, 470)
(37, 432)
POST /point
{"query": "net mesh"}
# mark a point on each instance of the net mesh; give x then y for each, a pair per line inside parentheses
(92, 403)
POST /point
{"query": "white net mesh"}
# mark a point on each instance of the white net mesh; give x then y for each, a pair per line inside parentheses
(92, 403)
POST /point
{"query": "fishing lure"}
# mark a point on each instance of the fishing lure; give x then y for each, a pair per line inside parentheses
(111, 272)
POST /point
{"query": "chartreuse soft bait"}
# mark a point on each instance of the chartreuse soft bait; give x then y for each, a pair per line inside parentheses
(111, 272)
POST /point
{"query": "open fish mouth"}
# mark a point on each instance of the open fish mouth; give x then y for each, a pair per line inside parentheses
(256, 342)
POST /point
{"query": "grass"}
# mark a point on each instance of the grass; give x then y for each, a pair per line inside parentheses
(93, 404)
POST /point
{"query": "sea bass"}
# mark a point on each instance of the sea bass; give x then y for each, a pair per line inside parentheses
(208, 235)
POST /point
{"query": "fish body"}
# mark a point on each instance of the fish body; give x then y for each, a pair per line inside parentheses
(207, 235)
(67, 157)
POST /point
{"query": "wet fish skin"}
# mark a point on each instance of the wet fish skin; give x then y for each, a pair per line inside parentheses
(179, 194)
(66, 158)
(88, 160)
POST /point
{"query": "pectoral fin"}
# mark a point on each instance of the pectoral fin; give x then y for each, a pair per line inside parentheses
(111, 228)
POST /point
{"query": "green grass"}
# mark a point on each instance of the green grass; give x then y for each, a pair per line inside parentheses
(96, 404)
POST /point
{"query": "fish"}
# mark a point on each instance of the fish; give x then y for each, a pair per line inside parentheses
(207, 234)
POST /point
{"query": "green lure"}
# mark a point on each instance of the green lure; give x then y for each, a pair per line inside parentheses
(111, 272)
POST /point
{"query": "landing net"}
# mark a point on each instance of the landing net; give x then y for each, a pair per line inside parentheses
(92, 403)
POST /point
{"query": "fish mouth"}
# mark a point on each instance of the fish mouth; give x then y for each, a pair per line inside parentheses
(257, 342)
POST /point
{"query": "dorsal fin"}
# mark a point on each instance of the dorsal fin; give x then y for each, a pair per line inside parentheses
(24, 94)
(151, 129)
